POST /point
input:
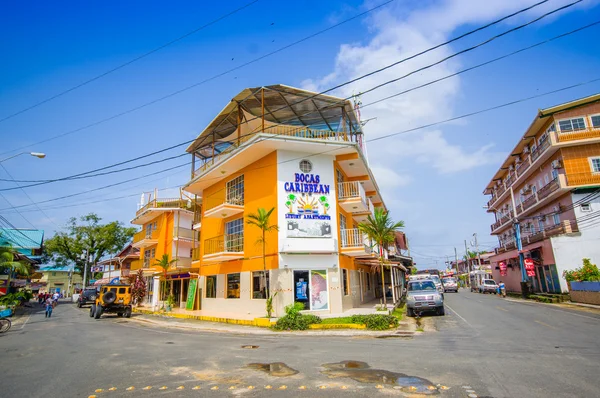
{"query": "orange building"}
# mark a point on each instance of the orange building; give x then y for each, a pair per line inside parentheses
(303, 155)
(548, 186)
(167, 228)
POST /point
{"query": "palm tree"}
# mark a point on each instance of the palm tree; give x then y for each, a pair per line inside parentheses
(261, 220)
(7, 260)
(381, 229)
(164, 263)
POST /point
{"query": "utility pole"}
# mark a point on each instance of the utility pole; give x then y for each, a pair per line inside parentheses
(85, 267)
(456, 258)
(468, 264)
(517, 227)
(477, 250)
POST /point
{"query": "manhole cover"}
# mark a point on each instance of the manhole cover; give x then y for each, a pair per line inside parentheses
(250, 347)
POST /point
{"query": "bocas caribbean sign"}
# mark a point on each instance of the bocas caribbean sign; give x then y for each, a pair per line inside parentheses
(307, 202)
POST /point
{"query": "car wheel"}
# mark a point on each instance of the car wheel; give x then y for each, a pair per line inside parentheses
(98, 312)
(128, 313)
(92, 310)
(441, 311)
(410, 312)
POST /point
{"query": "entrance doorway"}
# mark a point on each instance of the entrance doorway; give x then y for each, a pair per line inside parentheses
(312, 289)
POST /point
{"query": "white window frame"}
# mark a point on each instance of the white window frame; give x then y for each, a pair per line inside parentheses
(585, 126)
(592, 122)
(556, 218)
(591, 160)
(234, 190)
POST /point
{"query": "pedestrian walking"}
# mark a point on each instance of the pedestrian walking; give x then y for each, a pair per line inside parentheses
(49, 307)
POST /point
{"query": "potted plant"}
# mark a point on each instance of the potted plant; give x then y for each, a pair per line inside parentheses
(170, 302)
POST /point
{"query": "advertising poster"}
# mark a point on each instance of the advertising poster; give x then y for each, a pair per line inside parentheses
(503, 270)
(307, 201)
(318, 290)
(529, 267)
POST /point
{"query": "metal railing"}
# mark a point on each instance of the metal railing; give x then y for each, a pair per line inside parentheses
(503, 220)
(589, 178)
(521, 168)
(510, 179)
(547, 189)
(353, 237)
(196, 254)
(578, 135)
(540, 150)
(176, 203)
(183, 262)
(186, 233)
(222, 197)
(530, 201)
(143, 234)
(351, 189)
(278, 130)
(232, 243)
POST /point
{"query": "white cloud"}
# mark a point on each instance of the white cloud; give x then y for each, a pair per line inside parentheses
(390, 176)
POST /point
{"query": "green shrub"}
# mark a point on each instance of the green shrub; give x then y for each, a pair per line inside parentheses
(294, 320)
(376, 321)
(588, 273)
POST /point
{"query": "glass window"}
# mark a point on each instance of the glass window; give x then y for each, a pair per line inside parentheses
(422, 285)
(301, 288)
(534, 189)
(233, 285)
(345, 281)
(554, 174)
(569, 125)
(546, 179)
(235, 191)
(596, 121)
(368, 280)
(211, 286)
(260, 284)
(122, 290)
(595, 164)
(234, 235)
(319, 294)
(541, 225)
(556, 219)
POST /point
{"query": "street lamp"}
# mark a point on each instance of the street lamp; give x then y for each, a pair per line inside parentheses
(36, 154)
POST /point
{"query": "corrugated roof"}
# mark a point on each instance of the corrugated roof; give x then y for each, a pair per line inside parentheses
(22, 238)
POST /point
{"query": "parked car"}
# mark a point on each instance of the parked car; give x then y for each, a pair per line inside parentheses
(450, 285)
(438, 283)
(115, 299)
(87, 296)
(488, 286)
(422, 296)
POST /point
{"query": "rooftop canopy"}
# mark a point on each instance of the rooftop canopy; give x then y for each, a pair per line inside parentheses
(277, 104)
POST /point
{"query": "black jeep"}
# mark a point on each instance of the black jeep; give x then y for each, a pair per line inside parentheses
(87, 296)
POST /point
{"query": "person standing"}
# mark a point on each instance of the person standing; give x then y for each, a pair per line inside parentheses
(49, 306)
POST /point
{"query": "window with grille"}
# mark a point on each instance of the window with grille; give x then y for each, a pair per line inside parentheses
(554, 174)
(305, 166)
(569, 125)
(596, 121)
(556, 219)
(595, 165)
(148, 257)
(234, 235)
(235, 191)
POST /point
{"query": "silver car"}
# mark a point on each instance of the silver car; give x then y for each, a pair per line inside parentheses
(450, 285)
(423, 296)
(488, 286)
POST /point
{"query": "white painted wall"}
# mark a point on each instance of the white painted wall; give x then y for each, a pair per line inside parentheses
(570, 250)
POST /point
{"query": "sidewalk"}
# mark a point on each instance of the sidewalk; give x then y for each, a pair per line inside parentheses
(404, 330)
(565, 304)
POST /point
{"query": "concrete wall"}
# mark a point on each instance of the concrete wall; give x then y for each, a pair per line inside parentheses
(570, 250)
(585, 297)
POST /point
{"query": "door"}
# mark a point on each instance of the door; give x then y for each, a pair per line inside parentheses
(302, 288)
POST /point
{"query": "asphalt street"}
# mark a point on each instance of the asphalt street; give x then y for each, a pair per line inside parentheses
(485, 346)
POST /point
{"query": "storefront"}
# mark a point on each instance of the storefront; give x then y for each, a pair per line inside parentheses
(311, 289)
(177, 286)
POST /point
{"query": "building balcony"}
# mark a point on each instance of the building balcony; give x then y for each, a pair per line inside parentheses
(183, 262)
(543, 195)
(223, 204)
(186, 235)
(354, 243)
(585, 134)
(503, 221)
(363, 216)
(196, 254)
(224, 247)
(197, 223)
(352, 197)
(564, 227)
(144, 239)
(150, 209)
(583, 179)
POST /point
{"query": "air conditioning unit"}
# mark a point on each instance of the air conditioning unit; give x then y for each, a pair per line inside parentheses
(526, 149)
(557, 164)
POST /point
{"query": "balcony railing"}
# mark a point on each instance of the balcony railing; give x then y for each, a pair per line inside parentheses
(232, 243)
(510, 179)
(589, 178)
(353, 189)
(564, 227)
(578, 135)
(183, 262)
(540, 150)
(196, 254)
(529, 202)
(503, 220)
(165, 203)
(277, 130)
(223, 197)
(186, 233)
(521, 168)
(353, 238)
(547, 189)
(145, 235)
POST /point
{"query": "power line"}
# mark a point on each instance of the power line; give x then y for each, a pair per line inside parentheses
(85, 174)
(131, 110)
(131, 61)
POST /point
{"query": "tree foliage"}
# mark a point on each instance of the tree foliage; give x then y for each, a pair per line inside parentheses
(587, 273)
(86, 233)
(260, 219)
(7, 261)
(138, 288)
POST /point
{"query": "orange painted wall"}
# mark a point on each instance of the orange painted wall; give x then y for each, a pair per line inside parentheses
(260, 190)
(576, 158)
(164, 224)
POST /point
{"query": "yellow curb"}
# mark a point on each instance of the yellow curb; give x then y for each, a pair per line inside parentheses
(112, 389)
(130, 388)
(214, 388)
(196, 388)
(98, 390)
(180, 388)
(147, 388)
(199, 317)
(337, 326)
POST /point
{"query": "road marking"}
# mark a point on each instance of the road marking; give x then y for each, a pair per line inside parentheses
(545, 324)
(502, 309)
(25, 323)
(458, 315)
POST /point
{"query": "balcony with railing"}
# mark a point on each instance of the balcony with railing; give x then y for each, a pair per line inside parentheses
(145, 238)
(510, 179)
(352, 197)
(583, 179)
(224, 247)
(583, 134)
(224, 203)
(564, 227)
(165, 204)
(354, 243)
(501, 222)
(523, 166)
(196, 254)
(197, 223)
(185, 235)
(364, 215)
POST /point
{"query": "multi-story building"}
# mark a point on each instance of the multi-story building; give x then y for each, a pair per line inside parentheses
(122, 266)
(59, 279)
(303, 155)
(167, 228)
(548, 186)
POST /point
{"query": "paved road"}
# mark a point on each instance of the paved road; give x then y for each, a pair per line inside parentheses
(496, 347)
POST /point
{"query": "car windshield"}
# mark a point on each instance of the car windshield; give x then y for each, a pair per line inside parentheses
(449, 280)
(489, 282)
(435, 278)
(422, 285)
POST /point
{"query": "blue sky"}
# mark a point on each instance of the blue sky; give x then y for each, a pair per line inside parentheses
(432, 178)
